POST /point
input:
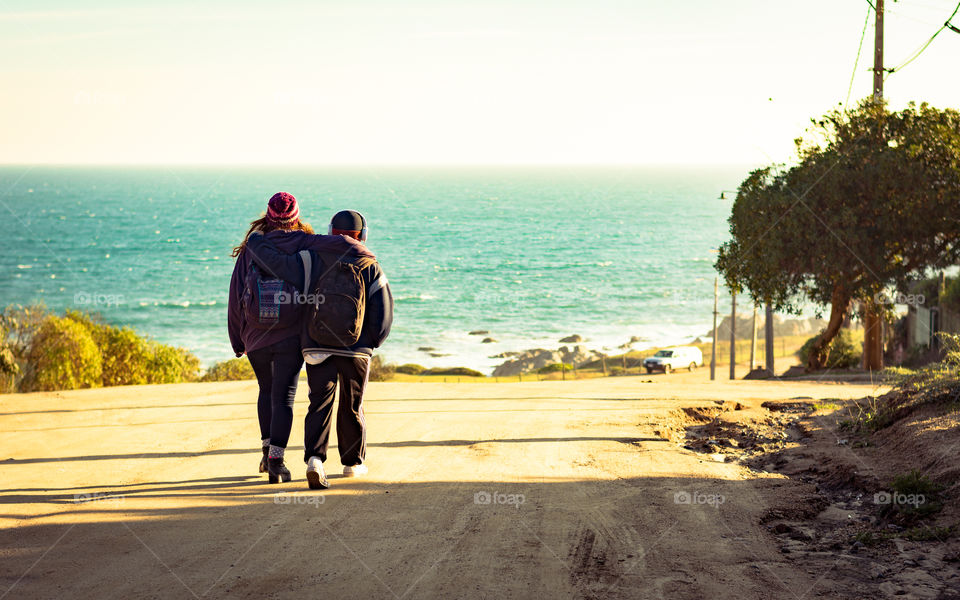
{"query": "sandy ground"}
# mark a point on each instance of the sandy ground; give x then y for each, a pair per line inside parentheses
(514, 490)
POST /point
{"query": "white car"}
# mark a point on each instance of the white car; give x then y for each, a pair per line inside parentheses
(677, 357)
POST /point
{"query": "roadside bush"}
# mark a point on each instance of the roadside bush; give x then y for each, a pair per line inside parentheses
(921, 494)
(62, 355)
(455, 371)
(235, 369)
(379, 370)
(171, 365)
(18, 325)
(41, 351)
(410, 369)
(843, 352)
(935, 381)
(130, 359)
(125, 356)
(555, 368)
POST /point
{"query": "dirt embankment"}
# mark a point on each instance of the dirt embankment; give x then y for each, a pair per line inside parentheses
(869, 505)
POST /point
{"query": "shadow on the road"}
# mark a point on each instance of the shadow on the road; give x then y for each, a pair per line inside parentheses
(98, 408)
(297, 449)
(601, 537)
(416, 443)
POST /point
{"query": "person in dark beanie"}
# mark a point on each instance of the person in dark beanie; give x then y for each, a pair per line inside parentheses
(346, 362)
(273, 349)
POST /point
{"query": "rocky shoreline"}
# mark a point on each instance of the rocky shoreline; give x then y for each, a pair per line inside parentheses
(575, 353)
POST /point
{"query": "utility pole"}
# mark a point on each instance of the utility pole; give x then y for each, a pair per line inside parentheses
(753, 342)
(713, 355)
(733, 335)
(872, 319)
(768, 330)
(878, 54)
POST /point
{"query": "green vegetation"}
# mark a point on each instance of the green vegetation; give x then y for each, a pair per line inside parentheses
(933, 384)
(914, 482)
(843, 351)
(951, 296)
(379, 370)
(826, 405)
(923, 533)
(920, 533)
(913, 496)
(41, 351)
(453, 371)
(937, 382)
(555, 368)
(62, 356)
(235, 369)
(414, 372)
(887, 180)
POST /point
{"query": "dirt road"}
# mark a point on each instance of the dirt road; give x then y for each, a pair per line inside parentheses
(532, 490)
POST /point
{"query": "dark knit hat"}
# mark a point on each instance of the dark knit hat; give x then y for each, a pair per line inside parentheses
(347, 220)
(282, 210)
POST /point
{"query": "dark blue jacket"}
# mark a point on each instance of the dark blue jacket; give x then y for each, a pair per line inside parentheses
(286, 264)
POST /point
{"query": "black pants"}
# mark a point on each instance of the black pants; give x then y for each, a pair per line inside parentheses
(277, 368)
(351, 429)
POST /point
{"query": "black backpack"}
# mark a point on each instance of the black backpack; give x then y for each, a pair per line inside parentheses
(271, 303)
(338, 302)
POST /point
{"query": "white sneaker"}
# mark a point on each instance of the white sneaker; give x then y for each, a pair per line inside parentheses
(316, 478)
(355, 470)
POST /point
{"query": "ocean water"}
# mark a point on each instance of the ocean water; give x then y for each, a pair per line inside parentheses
(528, 254)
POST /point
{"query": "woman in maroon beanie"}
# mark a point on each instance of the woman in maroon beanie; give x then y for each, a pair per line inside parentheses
(273, 352)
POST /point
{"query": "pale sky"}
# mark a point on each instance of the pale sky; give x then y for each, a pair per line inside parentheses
(483, 82)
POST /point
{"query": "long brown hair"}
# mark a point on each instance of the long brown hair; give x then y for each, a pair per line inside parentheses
(264, 226)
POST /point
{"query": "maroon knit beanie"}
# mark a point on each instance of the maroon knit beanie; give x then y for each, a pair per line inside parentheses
(282, 210)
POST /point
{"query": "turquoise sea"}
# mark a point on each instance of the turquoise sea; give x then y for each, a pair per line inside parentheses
(528, 254)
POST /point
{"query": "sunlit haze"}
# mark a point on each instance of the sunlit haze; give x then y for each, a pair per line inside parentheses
(444, 82)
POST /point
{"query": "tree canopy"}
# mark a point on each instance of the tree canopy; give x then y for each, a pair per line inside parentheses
(872, 201)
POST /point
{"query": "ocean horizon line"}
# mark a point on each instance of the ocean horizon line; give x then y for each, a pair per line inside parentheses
(386, 165)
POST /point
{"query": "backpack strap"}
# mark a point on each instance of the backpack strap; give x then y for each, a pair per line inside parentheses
(307, 269)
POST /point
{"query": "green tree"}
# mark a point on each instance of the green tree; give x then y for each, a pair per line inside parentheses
(871, 202)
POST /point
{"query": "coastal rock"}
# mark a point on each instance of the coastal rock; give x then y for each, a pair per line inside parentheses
(480, 332)
(488, 340)
(633, 340)
(571, 339)
(426, 349)
(533, 360)
(530, 360)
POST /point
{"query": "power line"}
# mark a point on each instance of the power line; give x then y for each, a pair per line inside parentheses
(916, 54)
(856, 63)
